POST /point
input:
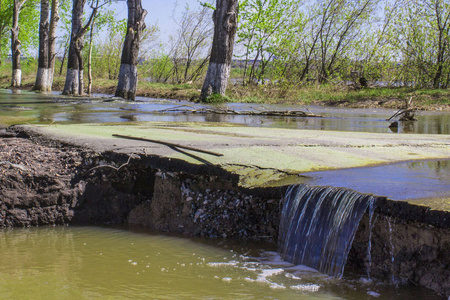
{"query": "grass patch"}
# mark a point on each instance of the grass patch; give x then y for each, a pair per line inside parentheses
(216, 99)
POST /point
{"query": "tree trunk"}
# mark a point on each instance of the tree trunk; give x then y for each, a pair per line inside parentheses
(52, 42)
(42, 83)
(91, 38)
(225, 25)
(74, 78)
(72, 84)
(128, 77)
(15, 45)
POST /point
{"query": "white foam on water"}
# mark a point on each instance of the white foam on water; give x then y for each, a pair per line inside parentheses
(306, 287)
(232, 263)
(270, 272)
(292, 276)
(263, 277)
(276, 286)
(226, 279)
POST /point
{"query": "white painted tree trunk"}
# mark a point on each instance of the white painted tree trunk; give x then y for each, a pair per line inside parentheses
(127, 85)
(74, 79)
(72, 84)
(80, 82)
(127, 81)
(225, 25)
(216, 79)
(43, 80)
(16, 78)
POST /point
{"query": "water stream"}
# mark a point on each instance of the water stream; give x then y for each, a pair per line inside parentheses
(318, 225)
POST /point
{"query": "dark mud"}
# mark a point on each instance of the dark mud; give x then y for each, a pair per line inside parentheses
(36, 185)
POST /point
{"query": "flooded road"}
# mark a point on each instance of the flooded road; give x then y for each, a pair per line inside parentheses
(27, 107)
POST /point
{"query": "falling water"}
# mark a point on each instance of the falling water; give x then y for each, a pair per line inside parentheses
(318, 225)
(391, 250)
(369, 248)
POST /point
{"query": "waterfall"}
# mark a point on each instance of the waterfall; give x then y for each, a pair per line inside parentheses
(318, 225)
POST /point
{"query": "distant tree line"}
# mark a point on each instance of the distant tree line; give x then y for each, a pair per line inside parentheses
(280, 42)
(394, 42)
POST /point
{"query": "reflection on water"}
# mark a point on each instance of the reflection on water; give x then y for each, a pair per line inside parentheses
(106, 263)
(401, 181)
(38, 108)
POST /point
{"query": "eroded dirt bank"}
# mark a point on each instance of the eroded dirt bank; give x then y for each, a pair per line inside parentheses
(44, 182)
(408, 245)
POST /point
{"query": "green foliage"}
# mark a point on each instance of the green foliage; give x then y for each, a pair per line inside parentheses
(106, 51)
(191, 44)
(262, 32)
(159, 67)
(5, 25)
(28, 34)
(29, 31)
(207, 5)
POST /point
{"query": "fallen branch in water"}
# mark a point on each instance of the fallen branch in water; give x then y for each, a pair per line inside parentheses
(406, 113)
(229, 111)
(167, 144)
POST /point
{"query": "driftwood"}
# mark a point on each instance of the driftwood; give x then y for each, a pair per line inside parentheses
(167, 144)
(404, 114)
(229, 111)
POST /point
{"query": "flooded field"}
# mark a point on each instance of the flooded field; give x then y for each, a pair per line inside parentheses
(27, 107)
(108, 263)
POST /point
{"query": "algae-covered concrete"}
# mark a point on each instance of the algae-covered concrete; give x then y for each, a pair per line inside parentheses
(259, 155)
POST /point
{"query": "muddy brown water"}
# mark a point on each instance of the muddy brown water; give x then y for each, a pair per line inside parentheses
(112, 263)
(39, 108)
